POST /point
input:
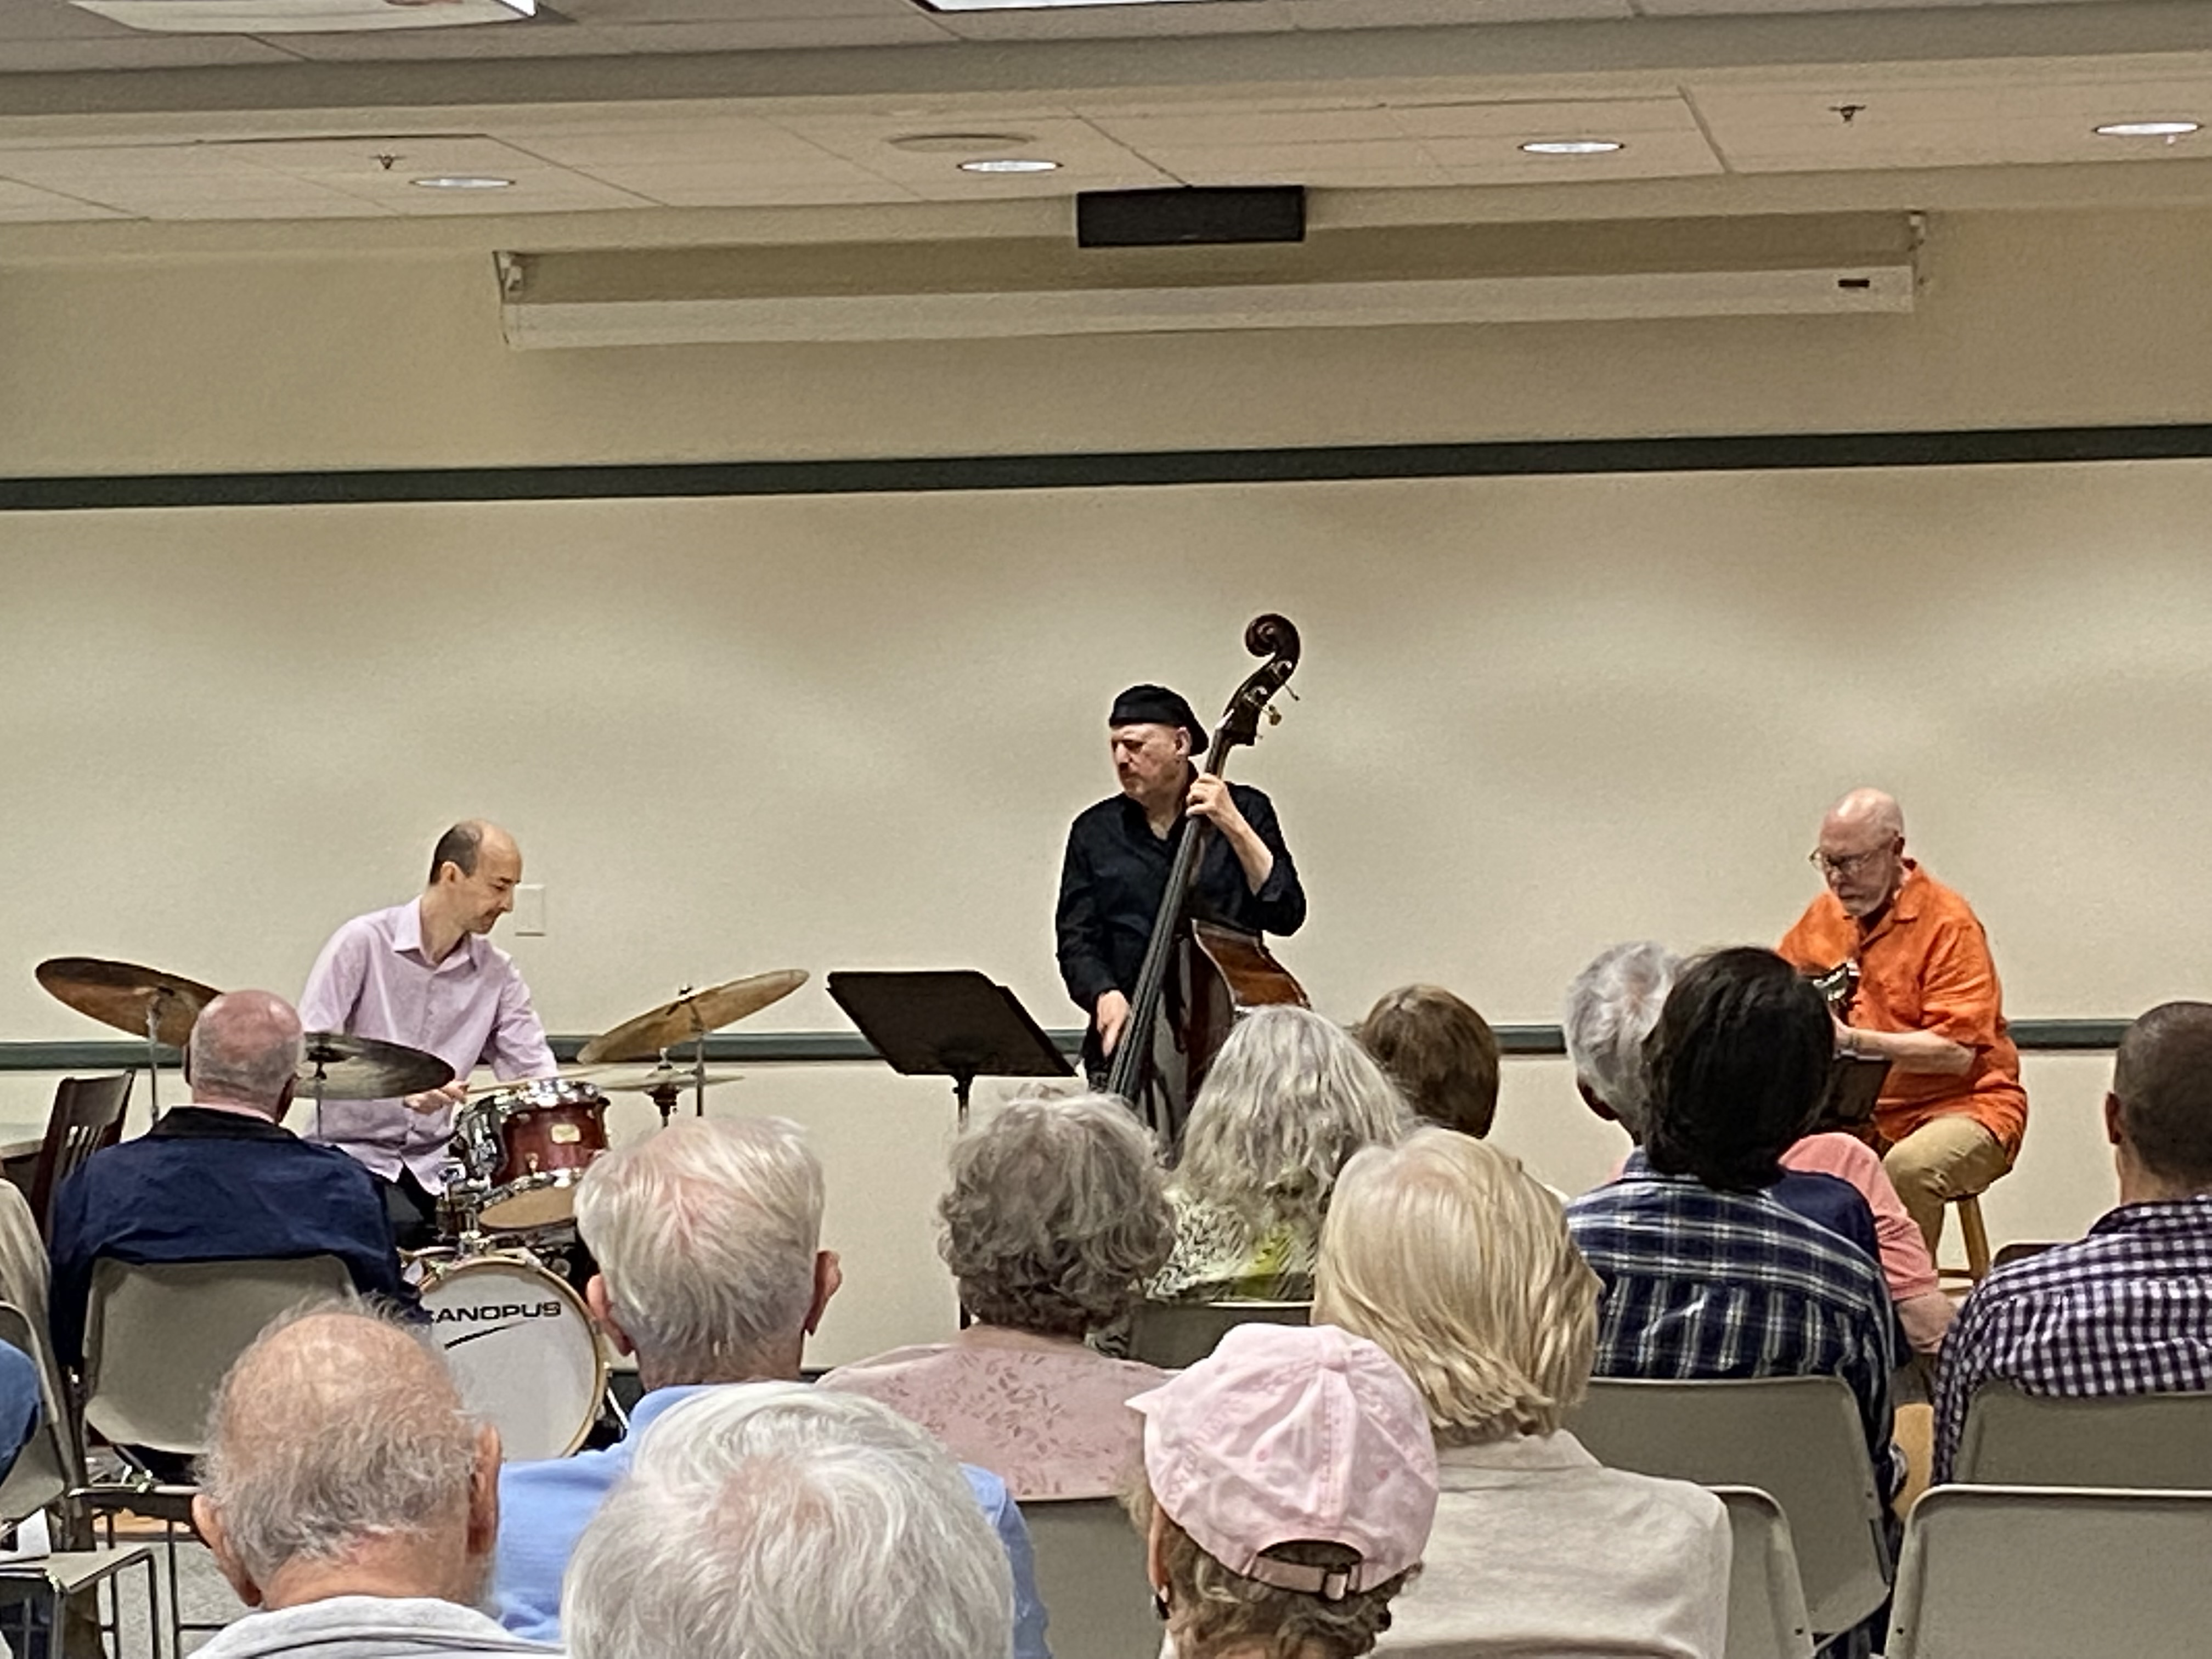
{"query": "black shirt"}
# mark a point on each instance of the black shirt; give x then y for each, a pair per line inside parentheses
(1116, 871)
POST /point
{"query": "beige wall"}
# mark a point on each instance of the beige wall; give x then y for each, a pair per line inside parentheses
(1540, 715)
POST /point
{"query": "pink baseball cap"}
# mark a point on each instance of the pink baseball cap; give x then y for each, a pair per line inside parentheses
(1291, 1432)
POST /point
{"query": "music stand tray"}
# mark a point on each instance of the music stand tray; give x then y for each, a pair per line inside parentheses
(955, 1023)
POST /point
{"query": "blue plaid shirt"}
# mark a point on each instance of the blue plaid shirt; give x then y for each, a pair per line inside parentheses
(2126, 1310)
(1707, 1284)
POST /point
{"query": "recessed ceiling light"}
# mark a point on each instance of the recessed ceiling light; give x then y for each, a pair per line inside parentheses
(1010, 164)
(1573, 146)
(461, 181)
(2148, 129)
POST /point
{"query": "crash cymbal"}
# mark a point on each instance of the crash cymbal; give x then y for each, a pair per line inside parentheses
(343, 1068)
(692, 1015)
(119, 994)
(661, 1077)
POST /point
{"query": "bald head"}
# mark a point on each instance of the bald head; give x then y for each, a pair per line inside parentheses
(339, 1445)
(474, 870)
(244, 1051)
(1861, 852)
(2160, 1112)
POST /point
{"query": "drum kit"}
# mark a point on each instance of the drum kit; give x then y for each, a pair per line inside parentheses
(521, 1343)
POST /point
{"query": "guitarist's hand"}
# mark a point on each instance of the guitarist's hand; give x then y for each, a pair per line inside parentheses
(1112, 1014)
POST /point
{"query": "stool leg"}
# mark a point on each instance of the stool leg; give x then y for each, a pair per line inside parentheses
(1977, 1238)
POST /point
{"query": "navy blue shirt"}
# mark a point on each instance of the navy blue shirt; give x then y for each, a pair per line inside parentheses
(205, 1186)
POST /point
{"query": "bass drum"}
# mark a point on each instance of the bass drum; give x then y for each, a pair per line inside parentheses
(522, 1348)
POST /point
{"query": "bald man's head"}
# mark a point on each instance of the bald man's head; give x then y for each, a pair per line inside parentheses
(338, 1446)
(244, 1051)
(1861, 852)
(474, 870)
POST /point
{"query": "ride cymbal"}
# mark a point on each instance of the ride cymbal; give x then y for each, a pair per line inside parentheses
(122, 994)
(690, 1016)
(338, 1066)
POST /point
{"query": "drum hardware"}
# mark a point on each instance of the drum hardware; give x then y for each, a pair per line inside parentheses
(147, 1002)
(687, 1021)
(664, 1084)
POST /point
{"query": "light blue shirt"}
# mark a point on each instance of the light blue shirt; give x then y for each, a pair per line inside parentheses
(544, 1507)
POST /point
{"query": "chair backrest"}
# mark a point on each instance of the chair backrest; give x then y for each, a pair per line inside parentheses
(1090, 1576)
(86, 1115)
(2053, 1572)
(1798, 1438)
(2136, 1440)
(44, 1469)
(158, 1339)
(1174, 1334)
(1766, 1617)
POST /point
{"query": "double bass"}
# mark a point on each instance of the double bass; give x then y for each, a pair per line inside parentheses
(1198, 977)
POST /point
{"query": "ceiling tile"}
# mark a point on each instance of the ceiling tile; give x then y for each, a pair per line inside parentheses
(1245, 129)
(21, 203)
(712, 186)
(1089, 159)
(133, 50)
(596, 13)
(1514, 122)
(724, 141)
(773, 34)
(1123, 22)
(530, 38)
(1764, 8)
(1403, 14)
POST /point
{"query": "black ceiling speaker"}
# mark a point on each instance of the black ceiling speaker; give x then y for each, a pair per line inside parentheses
(1167, 218)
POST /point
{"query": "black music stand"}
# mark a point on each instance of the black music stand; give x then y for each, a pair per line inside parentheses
(954, 1023)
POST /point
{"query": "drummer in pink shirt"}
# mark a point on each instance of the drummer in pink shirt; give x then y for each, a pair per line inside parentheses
(1612, 1007)
(1056, 1218)
(426, 974)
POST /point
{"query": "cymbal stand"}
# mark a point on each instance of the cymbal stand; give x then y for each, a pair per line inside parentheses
(154, 1055)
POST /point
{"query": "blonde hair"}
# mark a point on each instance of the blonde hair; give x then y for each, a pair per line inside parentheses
(1445, 1253)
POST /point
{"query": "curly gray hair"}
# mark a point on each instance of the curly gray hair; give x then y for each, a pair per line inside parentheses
(1289, 1098)
(1056, 1215)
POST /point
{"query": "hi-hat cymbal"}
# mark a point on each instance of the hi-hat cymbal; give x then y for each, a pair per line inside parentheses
(338, 1066)
(690, 1016)
(662, 1076)
(500, 1086)
(121, 993)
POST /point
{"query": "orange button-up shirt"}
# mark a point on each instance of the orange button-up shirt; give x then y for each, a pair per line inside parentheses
(1923, 966)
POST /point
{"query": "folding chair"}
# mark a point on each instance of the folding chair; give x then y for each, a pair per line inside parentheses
(86, 1115)
(2144, 1440)
(2051, 1572)
(44, 1475)
(1174, 1334)
(158, 1340)
(1797, 1438)
(1090, 1574)
(1766, 1617)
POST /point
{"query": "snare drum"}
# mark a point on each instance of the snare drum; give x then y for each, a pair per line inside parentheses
(522, 1348)
(529, 1145)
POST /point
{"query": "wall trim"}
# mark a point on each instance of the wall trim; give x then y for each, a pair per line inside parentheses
(1749, 452)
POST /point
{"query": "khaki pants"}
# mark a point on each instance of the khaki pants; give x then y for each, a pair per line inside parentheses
(1944, 1158)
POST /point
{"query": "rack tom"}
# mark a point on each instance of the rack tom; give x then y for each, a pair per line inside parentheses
(529, 1145)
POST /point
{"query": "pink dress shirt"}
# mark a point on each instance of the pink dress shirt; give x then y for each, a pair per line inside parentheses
(374, 981)
(1047, 1416)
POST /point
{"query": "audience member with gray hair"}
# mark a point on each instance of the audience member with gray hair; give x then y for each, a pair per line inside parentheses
(1055, 1217)
(1612, 1007)
(1288, 1099)
(220, 1178)
(348, 1497)
(708, 1238)
(1452, 1259)
(774, 1521)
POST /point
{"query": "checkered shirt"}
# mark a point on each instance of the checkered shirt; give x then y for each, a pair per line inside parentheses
(1707, 1284)
(2126, 1310)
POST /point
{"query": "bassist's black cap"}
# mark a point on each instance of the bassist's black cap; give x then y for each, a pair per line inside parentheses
(1155, 705)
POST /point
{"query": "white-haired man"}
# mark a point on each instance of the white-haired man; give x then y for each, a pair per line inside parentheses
(778, 1521)
(350, 1498)
(708, 1238)
(1951, 1111)
(221, 1179)
(1612, 1007)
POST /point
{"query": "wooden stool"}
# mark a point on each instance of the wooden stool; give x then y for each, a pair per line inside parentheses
(1976, 1239)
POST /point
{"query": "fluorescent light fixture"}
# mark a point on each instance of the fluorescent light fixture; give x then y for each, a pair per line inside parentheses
(301, 16)
(1039, 5)
(1573, 146)
(2148, 129)
(461, 181)
(1010, 164)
